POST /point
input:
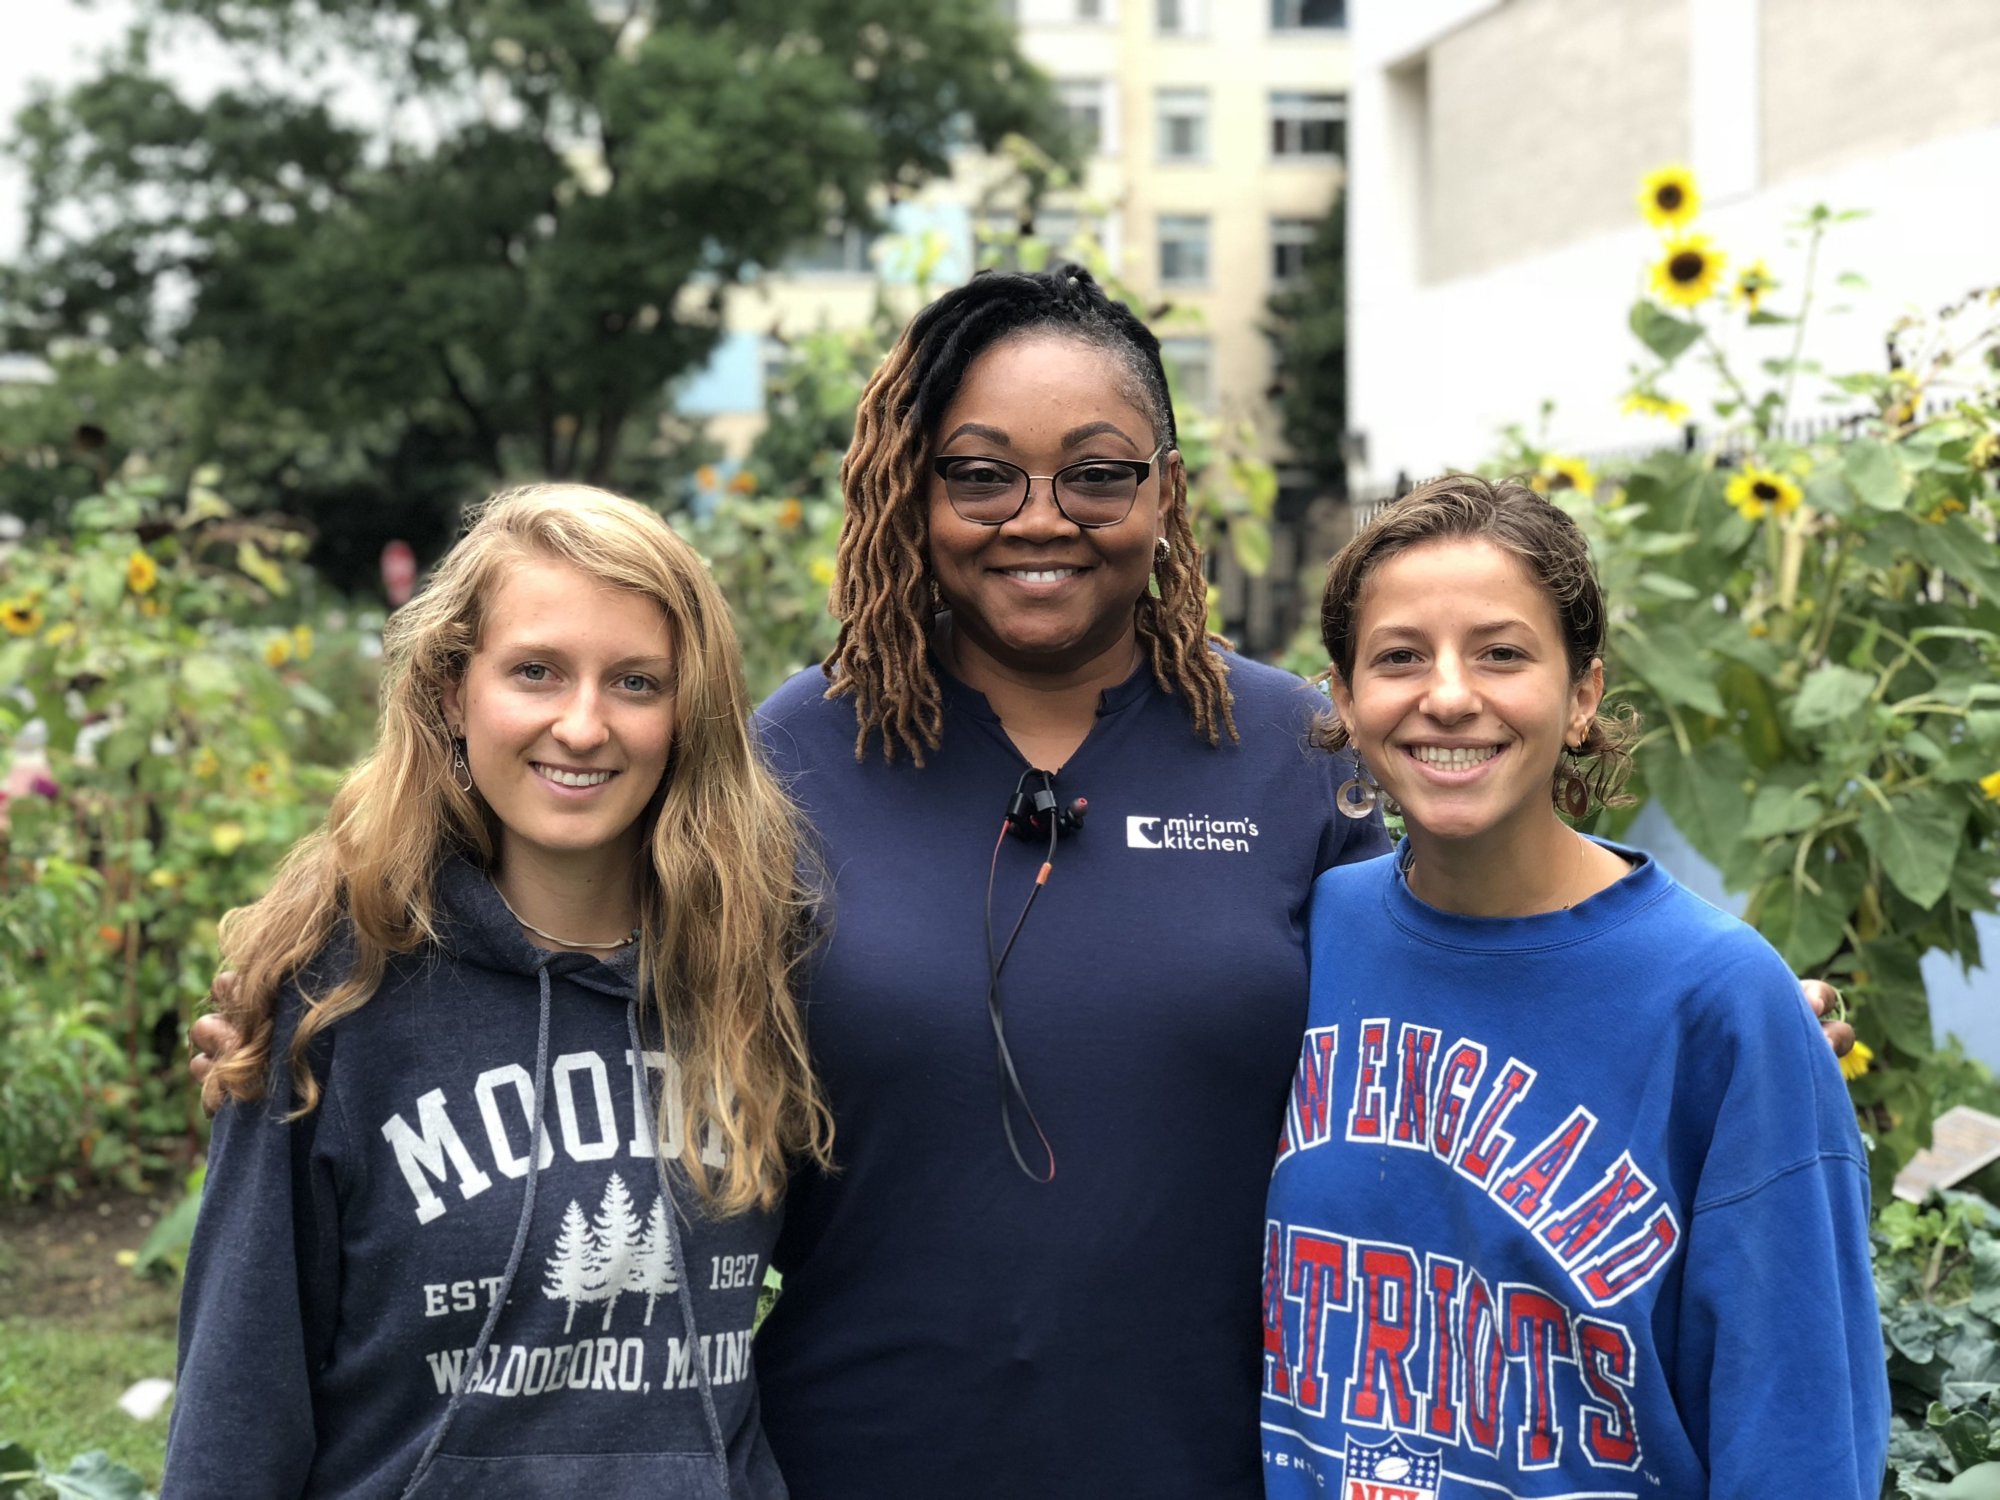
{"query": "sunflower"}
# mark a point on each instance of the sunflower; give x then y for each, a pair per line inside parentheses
(302, 642)
(1991, 786)
(1761, 492)
(1984, 452)
(790, 513)
(742, 482)
(704, 478)
(277, 651)
(1855, 1064)
(1689, 272)
(1646, 404)
(1560, 472)
(206, 763)
(259, 776)
(20, 616)
(1753, 284)
(141, 573)
(1668, 198)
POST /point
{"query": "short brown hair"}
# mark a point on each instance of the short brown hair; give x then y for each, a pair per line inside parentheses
(1526, 525)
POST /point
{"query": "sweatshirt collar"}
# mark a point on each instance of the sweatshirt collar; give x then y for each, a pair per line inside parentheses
(478, 929)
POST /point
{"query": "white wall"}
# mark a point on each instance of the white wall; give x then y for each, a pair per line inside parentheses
(1435, 369)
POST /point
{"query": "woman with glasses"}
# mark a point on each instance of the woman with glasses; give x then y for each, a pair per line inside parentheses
(1035, 1271)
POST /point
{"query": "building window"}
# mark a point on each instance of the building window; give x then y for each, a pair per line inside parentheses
(1183, 124)
(1087, 102)
(1289, 241)
(841, 251)
(1308, 15)
(1062, 232)
(1190, 366)
(1180, 17)
(1309, 125)
(1183, 250)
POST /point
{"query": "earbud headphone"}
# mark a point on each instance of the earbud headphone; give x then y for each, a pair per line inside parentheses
(1035, 814)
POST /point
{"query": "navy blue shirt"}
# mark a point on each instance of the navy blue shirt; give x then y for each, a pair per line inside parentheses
(949, 1327)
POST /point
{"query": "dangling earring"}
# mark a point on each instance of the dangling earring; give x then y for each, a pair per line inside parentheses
(937, 598)
(1359, 795)
(461, 771)
(1575, 790)
(1163, 549)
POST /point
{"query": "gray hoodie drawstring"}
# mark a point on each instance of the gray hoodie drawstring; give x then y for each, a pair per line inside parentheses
(672, 1217)
(478, 1356)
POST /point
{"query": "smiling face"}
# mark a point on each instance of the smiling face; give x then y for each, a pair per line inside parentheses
(567, 714)
(1039, 594)
(1460, 700)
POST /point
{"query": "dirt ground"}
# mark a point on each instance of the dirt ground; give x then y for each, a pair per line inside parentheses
(59, 1262)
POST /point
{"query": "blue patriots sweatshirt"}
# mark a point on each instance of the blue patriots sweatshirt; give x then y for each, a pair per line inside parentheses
(412, 1290)
(1566, 1205)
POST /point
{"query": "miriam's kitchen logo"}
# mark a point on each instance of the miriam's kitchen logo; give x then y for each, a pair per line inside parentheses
(1197, 834)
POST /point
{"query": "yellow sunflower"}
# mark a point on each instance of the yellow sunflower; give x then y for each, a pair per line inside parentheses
(1761, 492)
(259, 776)
(1985, 452)
(1646, 404)
(1668, 198)
(1991, 786)
(743, 482)
(20, 616)
(790, 513)
(277, 651)
(141, 573)
(1689, 272)
(206, 763)
(1561, 472)
(302, 642)
(1753, 284)
(1855, 1064)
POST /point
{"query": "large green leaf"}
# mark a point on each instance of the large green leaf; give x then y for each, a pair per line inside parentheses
(95, 1477)
(1876, 475)
(1915, 839)
(1667, 336)
(1806, 928)
(1703, 794)
(1829, 694)
(1670, 662)
(1781, 809)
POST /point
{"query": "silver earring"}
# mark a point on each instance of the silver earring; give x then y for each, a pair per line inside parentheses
(461, 771)
(1359, 795)
(1163, 547)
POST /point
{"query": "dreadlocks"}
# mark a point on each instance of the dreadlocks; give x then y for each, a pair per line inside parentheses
(882, 586)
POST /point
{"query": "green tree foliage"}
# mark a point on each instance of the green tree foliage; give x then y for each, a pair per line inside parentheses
(416, 246)
(1309, 326)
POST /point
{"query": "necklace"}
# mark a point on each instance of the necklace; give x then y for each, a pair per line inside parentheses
(561, 942)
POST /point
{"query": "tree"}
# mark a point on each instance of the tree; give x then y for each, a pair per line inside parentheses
(568, 1266)
(503, 267)
(615, 1237)
(1309, 326)
(651, 1271)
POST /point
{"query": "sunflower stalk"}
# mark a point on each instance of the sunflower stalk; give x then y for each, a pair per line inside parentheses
(1805, 310)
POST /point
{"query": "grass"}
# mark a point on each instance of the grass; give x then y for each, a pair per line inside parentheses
(59, 1390)
(77, 1330)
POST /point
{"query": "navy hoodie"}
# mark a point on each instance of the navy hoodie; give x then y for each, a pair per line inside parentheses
(389, 1296)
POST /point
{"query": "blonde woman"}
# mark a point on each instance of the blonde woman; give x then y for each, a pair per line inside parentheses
(489, 1207)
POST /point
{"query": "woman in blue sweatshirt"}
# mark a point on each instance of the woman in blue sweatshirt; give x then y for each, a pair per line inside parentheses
(1570, 1198)
(490, 1207)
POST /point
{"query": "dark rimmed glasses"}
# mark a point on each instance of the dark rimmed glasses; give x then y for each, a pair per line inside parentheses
(1096, 492)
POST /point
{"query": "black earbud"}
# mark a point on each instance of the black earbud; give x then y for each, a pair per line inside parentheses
(1032, 808)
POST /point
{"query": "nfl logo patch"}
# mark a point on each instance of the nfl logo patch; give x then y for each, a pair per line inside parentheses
(1390, 1471)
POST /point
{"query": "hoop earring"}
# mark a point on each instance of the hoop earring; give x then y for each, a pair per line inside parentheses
(1574, 791)
(461, 770)
(1359, 795)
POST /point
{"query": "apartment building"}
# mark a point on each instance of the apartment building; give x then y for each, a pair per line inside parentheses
(1494, 243)
(1217, 138)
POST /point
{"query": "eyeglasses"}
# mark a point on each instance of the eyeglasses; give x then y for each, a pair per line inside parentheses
(1096, 492)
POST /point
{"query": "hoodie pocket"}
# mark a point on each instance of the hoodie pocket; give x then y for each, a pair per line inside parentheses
(564, 1476)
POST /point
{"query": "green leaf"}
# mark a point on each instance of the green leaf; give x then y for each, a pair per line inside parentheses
(1805, 928)
(1876, 475)
(1665, 586)
(1250, 540)
(1703, 794)
(1667, 658)
(1777, 809)
(1667, 336)
(1828, 695)
(1980, 1482)
(1762, 319)
(1915, 839)
(94, 1476)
